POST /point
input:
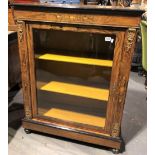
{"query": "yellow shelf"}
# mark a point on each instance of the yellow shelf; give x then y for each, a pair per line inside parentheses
(71, 59)
(75, 117)
(77, 90)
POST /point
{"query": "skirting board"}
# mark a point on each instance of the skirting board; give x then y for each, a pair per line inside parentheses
(73, 134)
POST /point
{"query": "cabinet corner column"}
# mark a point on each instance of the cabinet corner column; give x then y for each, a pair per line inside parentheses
(23, 53)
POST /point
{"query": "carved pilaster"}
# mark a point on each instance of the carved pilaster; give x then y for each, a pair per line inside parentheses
(24, 68)
(119, 88)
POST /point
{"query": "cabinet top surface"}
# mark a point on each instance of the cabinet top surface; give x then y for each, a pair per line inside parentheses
(135, 10)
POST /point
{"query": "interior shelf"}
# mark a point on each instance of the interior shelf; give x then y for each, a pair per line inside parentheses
(79, 60)
(75, 117)
(77, 90)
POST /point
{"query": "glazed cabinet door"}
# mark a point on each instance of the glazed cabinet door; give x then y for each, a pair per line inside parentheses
(74, 73)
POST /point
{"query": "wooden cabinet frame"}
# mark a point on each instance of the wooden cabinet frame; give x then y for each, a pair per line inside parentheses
(123, 26)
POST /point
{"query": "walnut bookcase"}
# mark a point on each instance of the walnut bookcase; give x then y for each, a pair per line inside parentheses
(75, 62)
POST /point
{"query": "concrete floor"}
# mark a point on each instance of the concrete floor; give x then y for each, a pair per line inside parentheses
(134, 129)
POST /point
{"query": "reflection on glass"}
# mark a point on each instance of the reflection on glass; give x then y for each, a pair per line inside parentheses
(73, 73)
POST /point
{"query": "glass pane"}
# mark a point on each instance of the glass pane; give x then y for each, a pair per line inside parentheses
(73, 71)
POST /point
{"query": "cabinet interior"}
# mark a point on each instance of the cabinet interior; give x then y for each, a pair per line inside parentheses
(73, 73)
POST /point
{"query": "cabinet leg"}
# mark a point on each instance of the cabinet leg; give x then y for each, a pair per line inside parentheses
(27, 131)
(115, 151)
